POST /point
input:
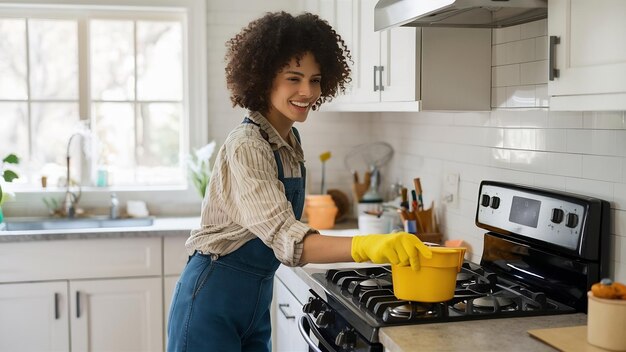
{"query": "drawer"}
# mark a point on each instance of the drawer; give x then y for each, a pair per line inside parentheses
(79, 259)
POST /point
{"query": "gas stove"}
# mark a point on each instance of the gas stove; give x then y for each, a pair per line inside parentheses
(542, 252)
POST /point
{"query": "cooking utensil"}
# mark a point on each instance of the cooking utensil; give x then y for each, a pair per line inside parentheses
(435, 281)
(341, 201)
(323, 158)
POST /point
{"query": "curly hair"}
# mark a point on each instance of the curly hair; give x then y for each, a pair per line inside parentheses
(263, 48)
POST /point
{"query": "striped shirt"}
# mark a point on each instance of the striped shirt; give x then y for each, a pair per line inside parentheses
(245, 199)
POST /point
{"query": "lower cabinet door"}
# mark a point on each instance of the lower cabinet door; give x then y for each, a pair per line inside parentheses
(169, 284)
(117, 315)
(286, 315)
(34, 317)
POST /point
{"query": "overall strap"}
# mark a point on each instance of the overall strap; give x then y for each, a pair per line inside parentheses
(302, 168)
(279, 163)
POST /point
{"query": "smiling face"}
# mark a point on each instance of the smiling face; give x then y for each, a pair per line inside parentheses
(294, 91)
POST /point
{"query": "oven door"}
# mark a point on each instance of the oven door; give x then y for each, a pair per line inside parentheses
(317, 342)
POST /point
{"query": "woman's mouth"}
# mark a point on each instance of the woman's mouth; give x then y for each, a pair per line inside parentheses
(300, 105)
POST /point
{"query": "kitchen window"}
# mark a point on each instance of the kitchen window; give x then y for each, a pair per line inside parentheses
(117, 75)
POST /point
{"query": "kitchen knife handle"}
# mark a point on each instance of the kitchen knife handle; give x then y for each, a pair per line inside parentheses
(380, 77)
(77, 304)
(56, 306)
(375, 85)
(553, 71)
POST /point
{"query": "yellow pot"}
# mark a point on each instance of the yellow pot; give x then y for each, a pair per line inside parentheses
(435, 281)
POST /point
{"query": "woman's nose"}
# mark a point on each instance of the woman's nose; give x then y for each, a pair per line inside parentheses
(305, 90)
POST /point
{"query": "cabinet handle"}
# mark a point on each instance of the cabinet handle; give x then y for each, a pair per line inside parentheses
(554, 72)
(375, 85)
(56, 306)
(380, 77)
(77, 304)
(282, 306)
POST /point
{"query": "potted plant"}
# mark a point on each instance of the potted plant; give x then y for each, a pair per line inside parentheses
(8, 175)
(200, 167)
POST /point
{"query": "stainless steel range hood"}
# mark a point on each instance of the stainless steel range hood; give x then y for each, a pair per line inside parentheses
(457, 13)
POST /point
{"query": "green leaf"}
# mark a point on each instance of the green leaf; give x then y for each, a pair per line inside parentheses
(1, 194)
(11, 159)
(9, 175)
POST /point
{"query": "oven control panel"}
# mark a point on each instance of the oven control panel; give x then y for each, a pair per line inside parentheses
(538, 215)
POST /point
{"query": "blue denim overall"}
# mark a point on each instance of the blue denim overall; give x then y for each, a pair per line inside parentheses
(222, 303)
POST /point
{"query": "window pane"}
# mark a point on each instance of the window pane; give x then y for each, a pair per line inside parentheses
(13, 59)
(112, 62)
(53, 46)
(115, 129)
(159, 61)
(14, 130)
(54, 123)
(159, 134)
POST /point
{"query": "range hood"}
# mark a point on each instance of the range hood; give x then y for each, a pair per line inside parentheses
(457, 13)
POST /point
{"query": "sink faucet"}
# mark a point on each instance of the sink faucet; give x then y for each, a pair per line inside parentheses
(71, 198)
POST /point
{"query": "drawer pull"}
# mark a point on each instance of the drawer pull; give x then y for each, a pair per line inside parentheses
(287, 315)
(56, 306)
(77, 304)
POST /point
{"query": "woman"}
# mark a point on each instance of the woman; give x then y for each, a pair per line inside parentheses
(278, 67)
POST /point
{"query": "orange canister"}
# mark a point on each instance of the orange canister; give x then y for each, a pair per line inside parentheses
(435, 280)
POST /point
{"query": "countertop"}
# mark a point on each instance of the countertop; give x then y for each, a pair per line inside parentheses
(179, 226)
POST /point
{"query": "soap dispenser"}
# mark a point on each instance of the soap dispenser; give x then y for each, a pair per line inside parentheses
(115, 207)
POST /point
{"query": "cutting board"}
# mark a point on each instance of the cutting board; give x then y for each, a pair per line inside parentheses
(570, 339)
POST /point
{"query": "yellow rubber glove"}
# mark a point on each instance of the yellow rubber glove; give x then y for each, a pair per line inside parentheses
(401, 248)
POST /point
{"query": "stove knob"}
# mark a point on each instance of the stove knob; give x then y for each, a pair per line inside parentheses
(346, 339)
(485, 200)
(557, 215)
(572, 220)
(313, 306)
(495, 202)
(325, 318)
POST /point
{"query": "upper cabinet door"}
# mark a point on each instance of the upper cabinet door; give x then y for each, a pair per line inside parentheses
(366, 56)
(590, 55)
(400, 64)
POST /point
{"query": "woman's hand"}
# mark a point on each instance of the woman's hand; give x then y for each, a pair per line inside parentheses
(401, 248)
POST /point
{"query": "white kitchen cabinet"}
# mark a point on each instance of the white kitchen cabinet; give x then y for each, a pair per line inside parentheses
(407, 68)
(590, 55)
(93, 315)
(34, 317)
(82, 295)
(288, 311)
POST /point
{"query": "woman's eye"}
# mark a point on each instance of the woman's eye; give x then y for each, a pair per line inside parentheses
(316, 80)
(293, 79)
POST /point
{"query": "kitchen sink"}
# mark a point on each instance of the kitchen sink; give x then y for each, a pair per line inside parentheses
(31, 224)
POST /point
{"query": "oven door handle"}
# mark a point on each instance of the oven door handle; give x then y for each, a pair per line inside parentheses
(305, 324)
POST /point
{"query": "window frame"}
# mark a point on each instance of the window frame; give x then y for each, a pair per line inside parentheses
(194, 125)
